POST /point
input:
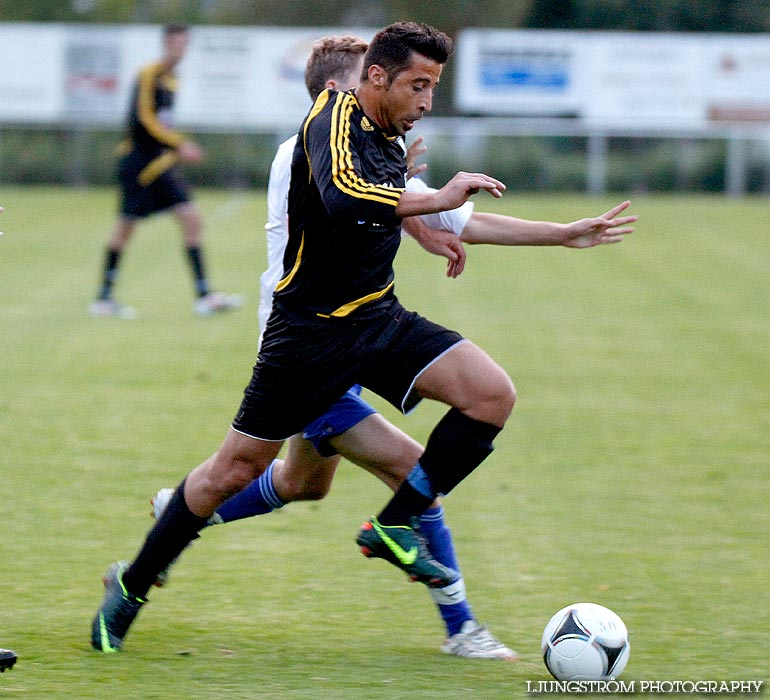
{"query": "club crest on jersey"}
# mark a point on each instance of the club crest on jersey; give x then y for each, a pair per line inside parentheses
(366, 125)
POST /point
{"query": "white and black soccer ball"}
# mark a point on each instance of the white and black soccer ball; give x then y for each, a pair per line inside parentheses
(585, 642)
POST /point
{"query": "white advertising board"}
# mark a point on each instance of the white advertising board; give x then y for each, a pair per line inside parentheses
(31, 73)
(644, 79)
(738, 85)
(615, 79)
(248, 78)
(532, 73)
(251, 78)
(232, 78)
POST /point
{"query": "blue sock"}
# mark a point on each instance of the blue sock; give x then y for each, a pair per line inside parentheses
(257, 498)
(451, 602)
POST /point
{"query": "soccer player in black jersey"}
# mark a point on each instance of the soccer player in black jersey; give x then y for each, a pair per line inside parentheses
(336, 322)
(352, 428)
(151, 182)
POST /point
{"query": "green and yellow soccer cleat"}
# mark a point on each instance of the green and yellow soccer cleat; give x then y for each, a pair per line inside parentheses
(405, 547)
(117, 612)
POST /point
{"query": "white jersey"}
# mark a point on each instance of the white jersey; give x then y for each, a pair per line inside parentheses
(277, 226)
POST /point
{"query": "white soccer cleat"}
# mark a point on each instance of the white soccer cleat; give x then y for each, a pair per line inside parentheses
(474, 641)
(217, 302)
(109, 308)
(159, 503)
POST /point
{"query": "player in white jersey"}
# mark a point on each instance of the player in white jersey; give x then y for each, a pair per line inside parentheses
(352, 428)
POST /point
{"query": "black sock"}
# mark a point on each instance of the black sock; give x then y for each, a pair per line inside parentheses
(457, 445)
(195, 256)
(110, 273)
(173, 531)
(406, 503)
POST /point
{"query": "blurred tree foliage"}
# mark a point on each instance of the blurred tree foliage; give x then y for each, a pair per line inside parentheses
(651, 15)
(449, 15)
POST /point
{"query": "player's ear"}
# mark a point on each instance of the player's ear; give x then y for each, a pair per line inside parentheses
(331, 84)
(377, 76)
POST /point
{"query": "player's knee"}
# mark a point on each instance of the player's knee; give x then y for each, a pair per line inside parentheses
(496, 401)
(316, 492)
(301, 490)
(505, 396)
(508, 398)
(235, 476)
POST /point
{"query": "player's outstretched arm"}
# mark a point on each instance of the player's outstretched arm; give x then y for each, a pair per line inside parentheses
(607, 228)
(452, 195)
(496, 229)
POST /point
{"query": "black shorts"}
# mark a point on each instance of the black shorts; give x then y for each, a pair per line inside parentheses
(150, 183)
(306, 364)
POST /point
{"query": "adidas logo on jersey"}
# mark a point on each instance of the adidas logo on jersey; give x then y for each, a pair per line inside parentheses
(366, 125)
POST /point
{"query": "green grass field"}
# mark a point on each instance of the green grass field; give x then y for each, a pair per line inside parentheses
(633, 473)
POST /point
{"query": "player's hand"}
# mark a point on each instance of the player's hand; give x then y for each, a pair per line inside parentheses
(463, 186)
(443, 243)
(190, 152)
(607, 228)
(412, 153)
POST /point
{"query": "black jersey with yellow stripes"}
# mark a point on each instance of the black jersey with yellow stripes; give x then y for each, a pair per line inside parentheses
(347, 177)
(149, 118)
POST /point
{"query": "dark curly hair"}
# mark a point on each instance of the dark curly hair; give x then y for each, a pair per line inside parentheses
(392, 47)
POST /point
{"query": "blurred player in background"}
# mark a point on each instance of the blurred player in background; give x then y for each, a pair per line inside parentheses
(151, 181)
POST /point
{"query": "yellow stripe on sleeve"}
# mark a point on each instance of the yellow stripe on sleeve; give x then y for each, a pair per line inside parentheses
(344, 175)
(156, 167)
(145, 108)
(320, 103)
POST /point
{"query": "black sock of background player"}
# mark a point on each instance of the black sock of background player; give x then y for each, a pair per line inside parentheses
(195, 256)
(111, 261)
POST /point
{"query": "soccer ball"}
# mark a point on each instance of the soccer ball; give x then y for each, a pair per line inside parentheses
(585, 642)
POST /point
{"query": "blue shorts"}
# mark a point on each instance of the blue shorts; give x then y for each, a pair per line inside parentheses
(348, 411)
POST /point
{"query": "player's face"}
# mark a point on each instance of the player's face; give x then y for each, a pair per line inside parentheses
(176, 47)
(410, 94)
